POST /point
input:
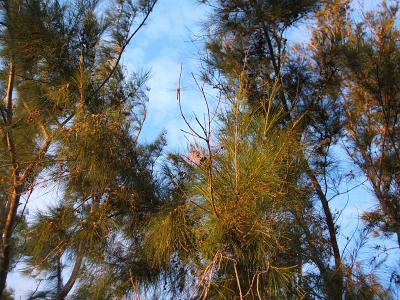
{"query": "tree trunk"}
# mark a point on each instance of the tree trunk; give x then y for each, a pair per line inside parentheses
(338, 276)
(71, 281)
(16, 185)
(335, 287)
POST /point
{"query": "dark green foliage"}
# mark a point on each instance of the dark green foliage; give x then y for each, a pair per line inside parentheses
(75, 119)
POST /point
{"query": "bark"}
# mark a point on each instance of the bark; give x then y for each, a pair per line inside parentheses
(16, 188)
(62, 294)
(338, 276)
(334, 290)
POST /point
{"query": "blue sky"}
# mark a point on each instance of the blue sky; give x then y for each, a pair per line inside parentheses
(161, 47)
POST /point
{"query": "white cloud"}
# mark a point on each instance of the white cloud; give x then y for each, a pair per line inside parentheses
(162, 46)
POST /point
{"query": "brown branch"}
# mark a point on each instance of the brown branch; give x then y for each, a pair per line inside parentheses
(123, 49)
(15, 195)
(71, 281)
(238, 281)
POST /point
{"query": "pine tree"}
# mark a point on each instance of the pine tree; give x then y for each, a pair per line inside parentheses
(229, 227)
(254, 32)
(371, 97)
(362, 57)
(246, 212)
(66, 99)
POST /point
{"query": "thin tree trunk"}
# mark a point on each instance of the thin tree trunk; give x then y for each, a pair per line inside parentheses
(335, 290)
(71, 281)
(16, 189)
(338, 290)
(59, 275)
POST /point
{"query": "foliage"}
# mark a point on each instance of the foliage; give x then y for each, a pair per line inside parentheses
(73, 115)
(249, 211)
(230, 218)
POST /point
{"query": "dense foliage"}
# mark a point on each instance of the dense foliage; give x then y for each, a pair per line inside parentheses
(249, 211)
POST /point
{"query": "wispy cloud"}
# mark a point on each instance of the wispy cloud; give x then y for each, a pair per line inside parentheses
(162, 47)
